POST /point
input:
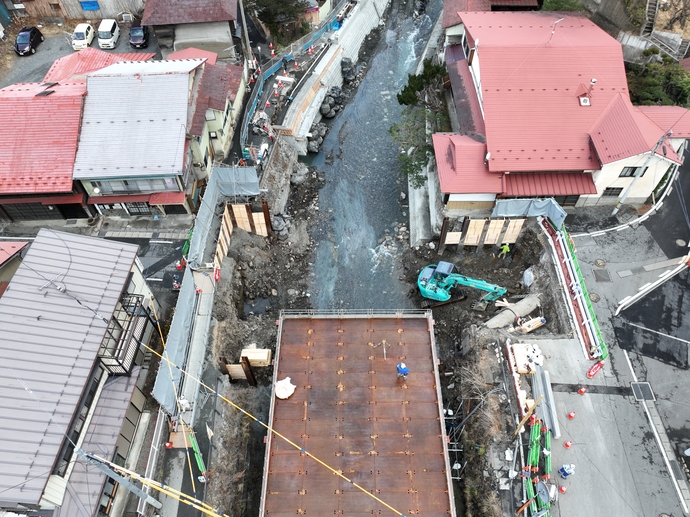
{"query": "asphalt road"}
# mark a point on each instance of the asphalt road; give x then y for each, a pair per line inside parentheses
(656, 330)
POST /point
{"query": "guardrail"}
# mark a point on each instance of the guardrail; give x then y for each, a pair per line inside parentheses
(585, 294)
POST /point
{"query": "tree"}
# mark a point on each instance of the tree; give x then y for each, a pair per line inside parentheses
(425, 113)
(563, 5)
(659, 83)
(274, 13)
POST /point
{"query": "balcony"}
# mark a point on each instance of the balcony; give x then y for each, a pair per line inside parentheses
(125, 331)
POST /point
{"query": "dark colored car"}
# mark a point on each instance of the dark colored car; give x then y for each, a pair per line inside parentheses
(27, 41)
(138, 35)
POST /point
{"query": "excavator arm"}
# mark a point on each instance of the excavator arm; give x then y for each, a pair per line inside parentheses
(436, 281)
(494, 292)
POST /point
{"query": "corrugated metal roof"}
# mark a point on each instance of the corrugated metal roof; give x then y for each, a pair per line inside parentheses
(467, 107)
(134, 125)
(195, 53)
(48, 344)
(549, 184)
(34, 159)
(675, 118)
(173, 12)
(85, 485)
(453, 8)
(218, 83)
(9, 250)
(124, 68)
(622, 131)
(167, 198)
(461, 166)
(533, 117)
(88, 60)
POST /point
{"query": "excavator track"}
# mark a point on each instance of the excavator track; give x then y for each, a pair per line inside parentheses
(431, 304)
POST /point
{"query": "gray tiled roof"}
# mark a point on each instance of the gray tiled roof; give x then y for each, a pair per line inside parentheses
(51, 326)
(140, 111)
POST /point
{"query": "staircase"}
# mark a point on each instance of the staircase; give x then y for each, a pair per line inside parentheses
(648, 26)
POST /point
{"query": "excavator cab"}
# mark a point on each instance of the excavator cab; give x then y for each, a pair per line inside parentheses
(443, 269)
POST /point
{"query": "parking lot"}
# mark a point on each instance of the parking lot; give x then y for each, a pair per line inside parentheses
(57, 44)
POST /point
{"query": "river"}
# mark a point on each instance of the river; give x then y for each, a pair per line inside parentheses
(361, 201)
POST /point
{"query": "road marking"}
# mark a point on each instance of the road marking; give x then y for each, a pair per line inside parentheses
(657, 332)
(679, 492)
(161, 242)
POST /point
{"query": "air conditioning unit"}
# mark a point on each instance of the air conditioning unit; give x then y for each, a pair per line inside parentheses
(213, 134)
(584, 101)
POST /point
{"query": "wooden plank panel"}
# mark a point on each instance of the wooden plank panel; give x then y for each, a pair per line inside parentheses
(494, 231)
(453, 237)
(260, 223)
(474, 232)
(236, 371)
(240, 213)
(513, 231)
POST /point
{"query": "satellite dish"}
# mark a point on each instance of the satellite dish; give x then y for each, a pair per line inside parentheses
(542, 492)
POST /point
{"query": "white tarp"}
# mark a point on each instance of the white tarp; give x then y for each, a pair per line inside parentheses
(530, 208)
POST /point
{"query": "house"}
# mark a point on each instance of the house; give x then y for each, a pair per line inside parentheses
(75, 66)
(56, 11)
(453, 8)
(37, 158)
(217, 104)
(205, 24)
(544, 111)
(134, 152)
(10, 258)
(71, 323)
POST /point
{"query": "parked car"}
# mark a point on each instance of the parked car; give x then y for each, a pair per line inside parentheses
(27, 41)
(82, 36)
(138, 35)
(108, 34)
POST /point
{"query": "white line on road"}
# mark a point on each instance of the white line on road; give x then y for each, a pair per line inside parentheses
(657, 332)
(161, 242)
(656, 432)
(154, 279)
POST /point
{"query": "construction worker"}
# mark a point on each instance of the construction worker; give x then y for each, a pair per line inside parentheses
(505, 249)
(403, 370)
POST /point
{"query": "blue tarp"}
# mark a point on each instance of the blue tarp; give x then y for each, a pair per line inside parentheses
(530, 208)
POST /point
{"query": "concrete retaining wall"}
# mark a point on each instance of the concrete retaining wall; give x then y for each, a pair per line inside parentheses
(345, 42)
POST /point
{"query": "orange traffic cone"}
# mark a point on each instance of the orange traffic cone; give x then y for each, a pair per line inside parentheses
(273, 53)
(268, 103)
(568, 444)
(280, 83)
(276, 92)
(309, 51)
(270, 45)
(296, 64)
(562, 489)
(582, 390)
(251, 78)
(571, 415)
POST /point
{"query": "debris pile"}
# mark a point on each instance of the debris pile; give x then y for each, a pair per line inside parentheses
(318, 133)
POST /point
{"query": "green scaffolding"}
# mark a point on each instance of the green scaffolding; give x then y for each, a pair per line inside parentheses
(585, 294)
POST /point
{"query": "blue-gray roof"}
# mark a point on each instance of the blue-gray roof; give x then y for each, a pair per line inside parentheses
(53, 317)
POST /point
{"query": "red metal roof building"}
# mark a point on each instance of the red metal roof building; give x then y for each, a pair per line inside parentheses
(172, 12)
(553, 100)
(87, 60)
(34, 159)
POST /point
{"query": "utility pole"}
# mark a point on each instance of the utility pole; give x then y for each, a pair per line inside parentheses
(250, 59)
(641, 170)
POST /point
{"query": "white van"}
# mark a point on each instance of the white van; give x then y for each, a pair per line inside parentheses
(108, 34)
(82, 36)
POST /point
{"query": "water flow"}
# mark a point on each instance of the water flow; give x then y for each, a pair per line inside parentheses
(356, 266)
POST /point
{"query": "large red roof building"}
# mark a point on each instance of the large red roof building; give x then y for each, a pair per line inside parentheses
(545, 111)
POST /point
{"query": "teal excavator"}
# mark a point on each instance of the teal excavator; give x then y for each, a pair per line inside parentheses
(436, 281)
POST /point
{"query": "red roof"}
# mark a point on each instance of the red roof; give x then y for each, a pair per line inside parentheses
(461, 166)
(623, 131)
(529, 78)
(88, 60)
(173, 12)
(674, 118)
(167, 198)
(195, 53)
(218, 84)
(549, 184)
(453, 8)
(39, 134)
(685, 64)
(9, 250)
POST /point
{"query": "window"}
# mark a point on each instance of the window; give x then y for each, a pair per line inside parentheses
(612, 192)
(629, 172)
(55, 7)
(566, 200)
